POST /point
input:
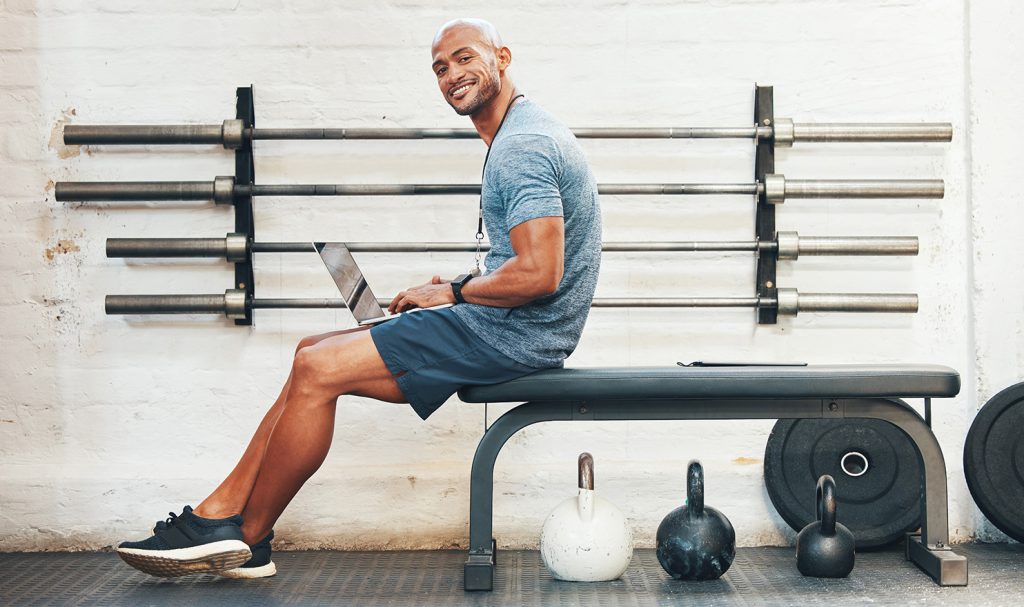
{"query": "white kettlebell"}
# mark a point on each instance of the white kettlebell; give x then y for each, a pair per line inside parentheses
(586, 538)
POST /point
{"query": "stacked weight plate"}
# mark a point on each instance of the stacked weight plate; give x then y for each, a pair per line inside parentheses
(875, 467)
(994, 461)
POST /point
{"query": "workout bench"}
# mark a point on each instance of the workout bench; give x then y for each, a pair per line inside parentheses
(731, 392)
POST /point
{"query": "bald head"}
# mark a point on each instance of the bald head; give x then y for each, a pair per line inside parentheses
(469, 61)
(484, 29)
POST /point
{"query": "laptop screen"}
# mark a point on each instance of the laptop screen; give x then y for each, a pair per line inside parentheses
(346, 274)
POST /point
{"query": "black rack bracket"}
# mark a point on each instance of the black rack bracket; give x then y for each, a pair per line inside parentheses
(245, 174)
(764, 164)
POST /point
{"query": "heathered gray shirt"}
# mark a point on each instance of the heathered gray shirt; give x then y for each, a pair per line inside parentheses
(537, 169)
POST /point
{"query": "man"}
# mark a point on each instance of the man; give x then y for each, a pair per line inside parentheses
(526, 312)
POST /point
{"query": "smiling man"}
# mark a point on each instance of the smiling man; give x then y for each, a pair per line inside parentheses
(525, 312)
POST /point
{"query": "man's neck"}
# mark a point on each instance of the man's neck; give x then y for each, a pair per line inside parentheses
(488, 119)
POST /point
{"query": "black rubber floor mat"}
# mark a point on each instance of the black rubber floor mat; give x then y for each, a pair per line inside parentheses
(759, 576)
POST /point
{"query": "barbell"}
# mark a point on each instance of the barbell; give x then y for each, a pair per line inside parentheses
(787, 245)
(224, 190)
(233, 134)
(234, 303)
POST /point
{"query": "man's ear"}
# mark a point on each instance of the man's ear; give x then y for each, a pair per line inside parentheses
(504, 58)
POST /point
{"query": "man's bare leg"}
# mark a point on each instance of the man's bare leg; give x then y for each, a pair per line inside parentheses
(301, 438)
(230, 497)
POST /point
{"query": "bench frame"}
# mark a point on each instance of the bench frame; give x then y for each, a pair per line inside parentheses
(929, 549)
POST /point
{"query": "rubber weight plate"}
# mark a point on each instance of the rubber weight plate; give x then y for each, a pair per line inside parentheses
(875, 466)
(994, 461)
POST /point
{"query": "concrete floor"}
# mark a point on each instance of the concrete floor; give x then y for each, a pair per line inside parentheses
(759, 576)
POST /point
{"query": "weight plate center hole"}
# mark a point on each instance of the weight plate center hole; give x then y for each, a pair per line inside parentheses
(854, 463)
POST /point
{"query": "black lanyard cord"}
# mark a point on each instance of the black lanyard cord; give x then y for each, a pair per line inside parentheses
(483, 171)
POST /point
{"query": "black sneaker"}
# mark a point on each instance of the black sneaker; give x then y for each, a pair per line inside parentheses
(259, 565)
(188, 544)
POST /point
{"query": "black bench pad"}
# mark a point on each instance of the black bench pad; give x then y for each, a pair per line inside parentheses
(812, 381)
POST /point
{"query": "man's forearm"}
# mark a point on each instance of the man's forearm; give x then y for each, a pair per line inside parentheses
(515, 283)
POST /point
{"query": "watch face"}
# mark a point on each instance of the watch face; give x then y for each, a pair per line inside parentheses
(462, 279)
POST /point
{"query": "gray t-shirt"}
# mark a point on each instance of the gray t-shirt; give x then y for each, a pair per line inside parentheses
(537, 169)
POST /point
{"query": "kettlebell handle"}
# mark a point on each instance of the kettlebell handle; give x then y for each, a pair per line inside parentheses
(586, 467)
(826, 501)
(695, 489)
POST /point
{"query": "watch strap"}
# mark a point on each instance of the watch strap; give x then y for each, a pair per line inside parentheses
(457, 285)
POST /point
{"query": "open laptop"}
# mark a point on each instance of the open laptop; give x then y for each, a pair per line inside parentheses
(353, 287)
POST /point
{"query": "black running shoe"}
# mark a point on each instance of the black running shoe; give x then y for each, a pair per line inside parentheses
(188, 544)
(259, 565)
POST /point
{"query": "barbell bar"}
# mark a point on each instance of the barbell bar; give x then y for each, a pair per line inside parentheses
(787, 245)
(232, 134)
(223, 189)
(234, 304)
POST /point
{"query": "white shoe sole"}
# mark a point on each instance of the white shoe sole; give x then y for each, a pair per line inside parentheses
(207, 558)
(248, 573)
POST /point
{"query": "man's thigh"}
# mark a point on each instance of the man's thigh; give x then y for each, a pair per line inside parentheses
(312, 340)
(348, 363)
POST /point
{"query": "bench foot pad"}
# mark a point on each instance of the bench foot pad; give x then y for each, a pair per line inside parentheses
(479, 572)
(945, 566)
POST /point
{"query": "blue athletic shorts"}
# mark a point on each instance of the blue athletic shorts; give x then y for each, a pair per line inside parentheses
(432, 354)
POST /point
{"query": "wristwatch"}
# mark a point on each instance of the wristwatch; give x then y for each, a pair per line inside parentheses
(457, 284)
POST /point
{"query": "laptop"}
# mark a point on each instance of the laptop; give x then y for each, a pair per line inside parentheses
(353, 287)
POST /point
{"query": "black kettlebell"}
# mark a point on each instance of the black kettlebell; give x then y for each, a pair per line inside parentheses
(824, 548)
(694, 542)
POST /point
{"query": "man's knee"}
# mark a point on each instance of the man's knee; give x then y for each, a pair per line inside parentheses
(315, 371)
(308, 366)
(305, 342)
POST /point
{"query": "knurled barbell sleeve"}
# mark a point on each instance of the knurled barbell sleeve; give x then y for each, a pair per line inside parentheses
(232, 247)
(777, 188)
(790, 302)
(790, 245)
(140, 134)
(166, 247)
(165, 304)
(232, 304)
(864, 188)
(229, 134)
(878, 133)
(88, 191)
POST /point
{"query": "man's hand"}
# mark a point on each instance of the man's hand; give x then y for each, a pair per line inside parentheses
(434, 293)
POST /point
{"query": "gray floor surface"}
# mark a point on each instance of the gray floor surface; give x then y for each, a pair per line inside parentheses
(759, 576)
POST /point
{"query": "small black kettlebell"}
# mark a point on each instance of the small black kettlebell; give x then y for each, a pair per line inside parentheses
(824, 548)
(694, 542)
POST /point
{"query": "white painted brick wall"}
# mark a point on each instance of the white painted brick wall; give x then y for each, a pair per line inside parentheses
(107, 422)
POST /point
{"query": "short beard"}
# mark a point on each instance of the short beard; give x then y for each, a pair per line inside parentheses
(487, 92)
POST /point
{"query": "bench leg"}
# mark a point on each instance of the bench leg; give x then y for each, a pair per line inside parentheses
(929, 550)
(479, 567)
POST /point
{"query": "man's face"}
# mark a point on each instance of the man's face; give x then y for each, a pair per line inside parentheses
(467, 69)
